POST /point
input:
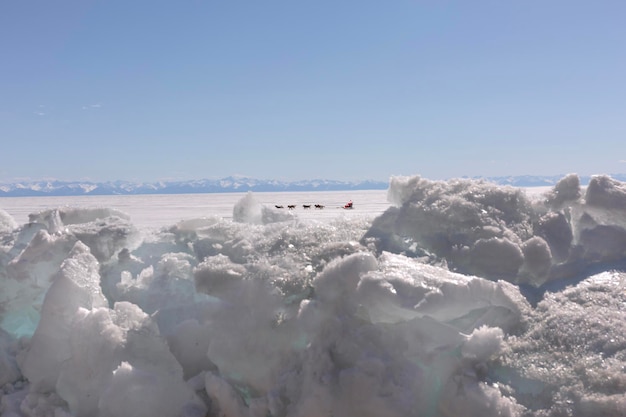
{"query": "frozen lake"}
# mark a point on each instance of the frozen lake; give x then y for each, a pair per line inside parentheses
(307, 318)
(158, 210)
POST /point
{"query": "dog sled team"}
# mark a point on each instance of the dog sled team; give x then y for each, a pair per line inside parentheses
(348, 205)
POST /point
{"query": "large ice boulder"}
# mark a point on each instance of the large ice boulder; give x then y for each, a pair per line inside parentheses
(369, 340)
(28, 277)
(105, 231)
(76, 285)
(249, 210)
(36, 251)
(7, 222)
(101, 361)
(117, 352)
(499, 232)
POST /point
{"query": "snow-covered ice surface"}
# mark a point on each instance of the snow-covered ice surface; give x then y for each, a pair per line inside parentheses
(457, 298)
(157, 210)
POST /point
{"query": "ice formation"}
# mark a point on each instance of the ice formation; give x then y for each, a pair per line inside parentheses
(501, 233)
(465, 298)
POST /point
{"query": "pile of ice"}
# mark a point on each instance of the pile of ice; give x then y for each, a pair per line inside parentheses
(267, 315)
(501, 233)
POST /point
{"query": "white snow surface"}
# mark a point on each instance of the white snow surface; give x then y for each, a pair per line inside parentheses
(456, 298)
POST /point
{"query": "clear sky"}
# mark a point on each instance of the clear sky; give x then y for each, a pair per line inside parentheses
(191, 89)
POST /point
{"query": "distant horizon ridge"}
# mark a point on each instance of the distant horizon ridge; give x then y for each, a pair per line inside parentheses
(232, 184)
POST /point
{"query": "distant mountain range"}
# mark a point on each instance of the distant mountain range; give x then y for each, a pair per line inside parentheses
(541, 180)
(223, 185)
(232, 184)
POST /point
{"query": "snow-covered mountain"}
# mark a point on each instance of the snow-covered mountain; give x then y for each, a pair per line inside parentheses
(230, 184)
(223, 185)
(542, 181)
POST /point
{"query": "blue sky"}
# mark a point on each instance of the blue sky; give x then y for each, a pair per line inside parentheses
(157, 90)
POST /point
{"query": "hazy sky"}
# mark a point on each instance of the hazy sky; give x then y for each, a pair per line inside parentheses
(301, 89)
